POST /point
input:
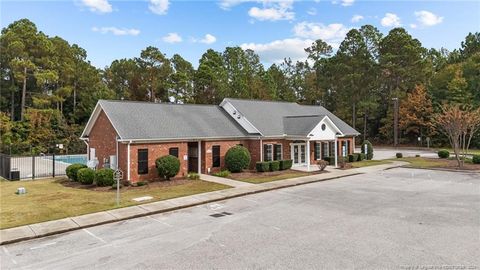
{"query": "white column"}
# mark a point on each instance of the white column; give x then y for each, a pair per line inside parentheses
(308, 155)
(199, 157)
(336, 153)
(353, 146)
(261, 150)
(128, 161)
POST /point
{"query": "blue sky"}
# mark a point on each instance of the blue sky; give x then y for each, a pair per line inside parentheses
(275, 29)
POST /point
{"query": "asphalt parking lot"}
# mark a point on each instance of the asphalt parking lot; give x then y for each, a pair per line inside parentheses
(394, 219)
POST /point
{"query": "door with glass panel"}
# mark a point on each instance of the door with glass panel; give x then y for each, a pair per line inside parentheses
(299, 153)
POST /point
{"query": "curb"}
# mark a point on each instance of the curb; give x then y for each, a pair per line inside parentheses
(444, 169)
(174, 208)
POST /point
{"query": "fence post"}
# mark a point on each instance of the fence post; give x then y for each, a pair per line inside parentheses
(33, 167)
(53, 169)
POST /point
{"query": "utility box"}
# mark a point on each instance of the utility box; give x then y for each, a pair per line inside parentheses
(14, 175)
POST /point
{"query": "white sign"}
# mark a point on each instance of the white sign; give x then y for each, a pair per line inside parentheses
(365, 148)
(185, 157)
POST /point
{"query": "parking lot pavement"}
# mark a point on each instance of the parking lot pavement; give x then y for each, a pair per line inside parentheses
(397, 218)
(380, 153)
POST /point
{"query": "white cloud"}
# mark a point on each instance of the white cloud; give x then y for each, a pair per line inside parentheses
(208, 39)
(117, 31)
(277, 50)
(357, 18)
(159, 7)
(100, 6)
(390, 19)
(413, 26)
(427, 18)
(172, 38)
(312, 11)
(273, 11)
(227, 4)
(344, 3)
(333, 32)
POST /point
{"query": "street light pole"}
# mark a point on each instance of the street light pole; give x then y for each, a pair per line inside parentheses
(395, 122)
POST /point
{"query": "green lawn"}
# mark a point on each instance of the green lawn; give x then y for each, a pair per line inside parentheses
(471, 151)
(419, 162)
(48, 199)
(366, 163)
(258, 178)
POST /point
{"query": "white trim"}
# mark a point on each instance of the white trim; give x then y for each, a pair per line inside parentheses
(128, 161)
(336, 153)
(292, 154)
(326, 118)
(93, 119)
(308, 154)
(199, 157)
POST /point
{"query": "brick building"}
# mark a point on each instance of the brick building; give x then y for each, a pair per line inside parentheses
(132, 135)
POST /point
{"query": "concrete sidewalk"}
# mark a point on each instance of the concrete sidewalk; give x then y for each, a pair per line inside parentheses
(37, 230)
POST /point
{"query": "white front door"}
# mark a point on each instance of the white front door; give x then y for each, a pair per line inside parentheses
(298, 153)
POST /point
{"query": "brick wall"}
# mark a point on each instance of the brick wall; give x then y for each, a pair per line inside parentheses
(102, 137)
(207, 153)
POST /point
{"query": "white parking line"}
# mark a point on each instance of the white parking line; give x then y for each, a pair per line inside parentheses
(8, 254)
(94, 236)
(159, 221)
(43, 246)
(276, 228)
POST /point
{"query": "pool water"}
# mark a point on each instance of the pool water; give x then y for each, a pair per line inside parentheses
(82, 159)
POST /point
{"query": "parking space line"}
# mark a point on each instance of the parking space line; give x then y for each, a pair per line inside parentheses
(8, 255)
(94, 236)
(159, 221)
(43, 246)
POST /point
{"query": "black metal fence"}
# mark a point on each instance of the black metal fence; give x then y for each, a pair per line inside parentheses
(36, 166)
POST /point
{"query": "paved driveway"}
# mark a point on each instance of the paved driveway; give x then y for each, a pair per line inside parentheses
(398, 218)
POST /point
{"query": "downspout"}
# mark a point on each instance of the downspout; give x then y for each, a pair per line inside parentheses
(85, 140)
(199, 157)
(116, 154)
(261, 150)
(336, 152)
(128, 161)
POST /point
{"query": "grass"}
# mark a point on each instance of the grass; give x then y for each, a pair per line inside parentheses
(48, 199)
(419, 162)
(366, 163)
(259, 178)
(471, 151)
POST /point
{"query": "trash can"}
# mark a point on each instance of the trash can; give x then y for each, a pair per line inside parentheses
(14, 175)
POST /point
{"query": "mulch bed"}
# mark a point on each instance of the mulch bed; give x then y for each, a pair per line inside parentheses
(253, 173)
(151, 184)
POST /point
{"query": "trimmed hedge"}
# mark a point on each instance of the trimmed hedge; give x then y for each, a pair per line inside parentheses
(274, 165)
(72, 170)
(399, 155)
(361, 157)
(443, 153)
(167, 166)
(104, 177)
(193, 176)
(351, 158)
(476, 159)
(356, 157)
(286, 164)
(262, 166)
(369, 154)
(237, 158)
(86, 176)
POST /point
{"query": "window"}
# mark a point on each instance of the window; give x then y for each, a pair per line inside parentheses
(317, 150)
(142, 161)
(324, 127)
(267, 152)
(216, 156)
(277, 152)
(173, 151)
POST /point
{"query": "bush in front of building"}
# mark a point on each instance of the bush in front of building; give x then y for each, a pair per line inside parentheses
(193, 176)
(322, 164)
(351, 158)
(167, 166)
(369, 154)
(274, 165)
(224, 173)
(399, 155)
(356, 157)
(476, 159)
(104, 177)
(86, 176)
(361, 157)
(72, 170)
(443, 153)
(262, 166)
(237, 158)
(329, 159)
(285, 164)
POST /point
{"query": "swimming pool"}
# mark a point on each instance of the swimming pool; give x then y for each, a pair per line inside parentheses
(82, 159)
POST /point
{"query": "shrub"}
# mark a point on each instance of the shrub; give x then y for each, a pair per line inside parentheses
(167, 166)
(237, 158)
(86, 176)
(193, 176)
(356, 157)
(114, 185)
(328, 159)
(104, 177)
(369, 154)
(142, 183)
(286, 164)
(351, 158)
(443, 153)
(417, 155)
(399, 155)
(73, 169)
(322, 164)
(361, 157)
(476, 159)
(274, 165)
(262, 166)
(224, 173)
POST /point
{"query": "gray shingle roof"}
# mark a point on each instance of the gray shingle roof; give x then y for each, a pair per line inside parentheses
(144, 120)
(267, 116)
(300, 125)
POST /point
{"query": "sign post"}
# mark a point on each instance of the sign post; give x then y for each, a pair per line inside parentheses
(117, 176)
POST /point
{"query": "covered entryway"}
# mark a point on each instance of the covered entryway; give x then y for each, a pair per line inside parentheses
(299, 153)
(193, 155)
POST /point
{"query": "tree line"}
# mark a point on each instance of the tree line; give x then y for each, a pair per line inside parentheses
(49, 88)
